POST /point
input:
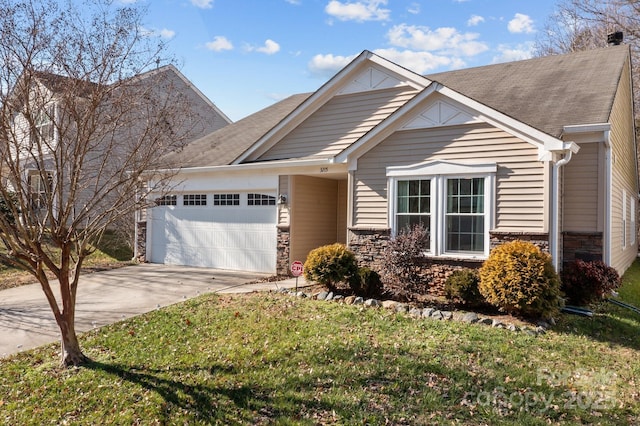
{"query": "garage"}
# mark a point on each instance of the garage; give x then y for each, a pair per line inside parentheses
(231, 230)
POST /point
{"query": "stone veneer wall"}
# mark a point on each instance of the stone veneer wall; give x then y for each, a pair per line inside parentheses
(369, 244)
(540, 239)
(585, 246)
(283, 250)
(141, 241)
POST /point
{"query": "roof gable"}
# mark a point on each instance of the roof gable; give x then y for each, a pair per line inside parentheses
(367, 72)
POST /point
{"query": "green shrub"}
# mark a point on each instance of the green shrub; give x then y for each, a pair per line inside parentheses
(366, 282)
(330, 264)
(587, 282)
(462, 286)
(520, 279)
(403, 260)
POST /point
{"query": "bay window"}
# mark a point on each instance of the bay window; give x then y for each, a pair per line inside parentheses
(453, 201)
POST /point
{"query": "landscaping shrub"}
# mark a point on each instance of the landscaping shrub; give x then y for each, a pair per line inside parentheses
(462, 286)
(403, 260)
(366, 282)
(520, 279)
(587, 282)
(330, 264)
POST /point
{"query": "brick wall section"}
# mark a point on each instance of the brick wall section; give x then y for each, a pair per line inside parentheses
(585, 246)
(141, 241)
(283, 249)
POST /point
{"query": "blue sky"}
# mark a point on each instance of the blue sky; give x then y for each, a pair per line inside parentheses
(246, 54)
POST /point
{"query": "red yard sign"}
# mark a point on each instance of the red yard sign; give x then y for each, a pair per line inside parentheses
(297, 268)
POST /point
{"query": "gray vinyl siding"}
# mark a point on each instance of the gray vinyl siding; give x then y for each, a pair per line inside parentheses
(582, 197)
(624, 174)
(520, 192)
(339, 123)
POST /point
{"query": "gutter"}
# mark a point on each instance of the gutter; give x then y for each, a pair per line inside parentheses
(263, 165)
(568, 149)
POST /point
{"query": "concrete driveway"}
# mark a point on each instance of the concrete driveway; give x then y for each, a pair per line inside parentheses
(106, 297)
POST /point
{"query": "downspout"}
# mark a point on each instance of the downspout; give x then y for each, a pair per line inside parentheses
(556, 213)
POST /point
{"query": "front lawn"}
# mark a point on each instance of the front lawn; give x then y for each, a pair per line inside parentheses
(277, 359)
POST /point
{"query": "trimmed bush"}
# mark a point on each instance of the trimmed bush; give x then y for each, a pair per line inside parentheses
(366, 282)
(330, 264)
(462, 286)
(403, 260)
(520, 279)
(587, 282)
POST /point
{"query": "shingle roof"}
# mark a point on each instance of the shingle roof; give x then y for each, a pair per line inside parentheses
(549, 92)
(225, 145)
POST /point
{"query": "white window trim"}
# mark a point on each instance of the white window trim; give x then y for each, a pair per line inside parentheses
(438, 172)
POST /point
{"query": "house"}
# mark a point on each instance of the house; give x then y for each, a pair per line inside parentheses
(66, 129)
(540, 150)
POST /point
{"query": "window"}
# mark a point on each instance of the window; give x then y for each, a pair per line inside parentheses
(43, 125)
(194, 199)
(40, 187)
(465, 215)
(261, 200)
(413, 204)
(453, 201)
(167, 200)
(226, 199)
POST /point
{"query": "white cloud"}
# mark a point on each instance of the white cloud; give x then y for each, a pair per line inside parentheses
(521, 23)
(219, 44)
(445, 40)
(510, 53)
(166, 33)
(327, 65)
(270, 47)
(414, 8)
(295, 2)
(420, 62)
(202, 4)
(359, 11)
(475, 20)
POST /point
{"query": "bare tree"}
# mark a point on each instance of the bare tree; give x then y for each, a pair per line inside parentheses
(84, 112)
(585, 24)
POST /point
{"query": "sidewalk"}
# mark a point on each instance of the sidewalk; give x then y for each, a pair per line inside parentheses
(26, 321)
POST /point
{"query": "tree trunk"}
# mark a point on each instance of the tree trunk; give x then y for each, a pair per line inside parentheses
(71, 353)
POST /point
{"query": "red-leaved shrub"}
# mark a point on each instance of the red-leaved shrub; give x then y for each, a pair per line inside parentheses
(587, 282)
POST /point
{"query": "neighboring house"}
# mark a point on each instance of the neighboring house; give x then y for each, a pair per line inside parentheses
(541, 150)
(43, 127)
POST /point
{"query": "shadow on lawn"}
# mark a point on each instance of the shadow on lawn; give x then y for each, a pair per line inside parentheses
(609, 324)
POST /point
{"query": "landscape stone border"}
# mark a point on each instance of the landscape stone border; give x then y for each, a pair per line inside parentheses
(422, 313)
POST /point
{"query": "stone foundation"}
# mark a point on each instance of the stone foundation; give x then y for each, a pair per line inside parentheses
(540, 239)
(585, 246)
(283, 249)
(141, 241)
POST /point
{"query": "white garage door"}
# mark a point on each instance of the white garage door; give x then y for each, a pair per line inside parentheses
(230, 231)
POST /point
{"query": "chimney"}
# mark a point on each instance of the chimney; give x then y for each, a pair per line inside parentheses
(614, 39)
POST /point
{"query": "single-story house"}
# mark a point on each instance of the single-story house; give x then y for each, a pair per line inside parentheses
(542, 150)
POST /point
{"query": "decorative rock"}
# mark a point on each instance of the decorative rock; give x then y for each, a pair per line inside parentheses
(543, 324)
(301, 295)
(349, 300)
(437, 315)
(426, 312)
(372, 303)
(402, 308)
(358, 301)
(329, 296)
(497, 323)
(415, 312)
(512, 327)
(322, 295)
(486, 321)
(530, 332)
(541, 330)
(338, 297)
(470, 317)
(446, 315)
(389, 304)
(552, 321)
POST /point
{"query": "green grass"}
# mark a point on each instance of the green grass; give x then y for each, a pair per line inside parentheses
(275, 359)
